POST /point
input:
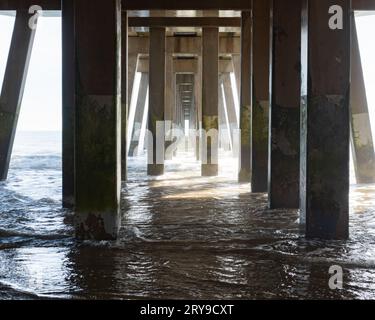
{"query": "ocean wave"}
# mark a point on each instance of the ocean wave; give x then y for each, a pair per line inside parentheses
(5, 233)
(13, 290)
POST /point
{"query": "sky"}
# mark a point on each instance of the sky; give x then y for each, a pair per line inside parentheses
(365, 29)
(41, 107)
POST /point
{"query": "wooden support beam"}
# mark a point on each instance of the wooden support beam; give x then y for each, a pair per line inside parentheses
(13, 86)
(153, 22)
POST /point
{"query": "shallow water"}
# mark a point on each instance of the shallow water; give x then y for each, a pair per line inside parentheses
(182, 236)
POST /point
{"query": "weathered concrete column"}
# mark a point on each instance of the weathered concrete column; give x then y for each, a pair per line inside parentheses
(124, 93)
(198, 105)
(245, 98)
(210, 102)
(98, 118)
(170, 98)
(13, 86)
(157, 58)
(285, 106)
(262, 28)
(325, 120)
(361, 136)
(68, 102)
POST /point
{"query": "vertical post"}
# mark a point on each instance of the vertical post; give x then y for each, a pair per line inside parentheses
(236, 60)
(262, 28)
(124, 93)
(245, 97)
(169, 98)
(324, 175)
(98, 118)
(14, 85)
(221, 113)
(132, 66)
(361, 136)
(285, 105)
(135, 135)
(198, 105)
(229, 98)
(68, 102)
(157, 101)
(210, 102)
(145, 107)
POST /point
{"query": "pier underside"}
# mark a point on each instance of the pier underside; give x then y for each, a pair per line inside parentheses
(277, 86)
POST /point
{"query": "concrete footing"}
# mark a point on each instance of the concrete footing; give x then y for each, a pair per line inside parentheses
(210, 170)
(155, 169)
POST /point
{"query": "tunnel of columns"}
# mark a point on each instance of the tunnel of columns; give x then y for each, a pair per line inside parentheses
(276, 85)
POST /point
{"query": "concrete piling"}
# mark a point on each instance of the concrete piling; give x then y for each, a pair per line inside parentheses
(98, 119)
(124, 94)
(262, 28)
(157, 101)
(210, 101)
(285, 105)
(324, 175)
(68, 102)
(245, 98)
